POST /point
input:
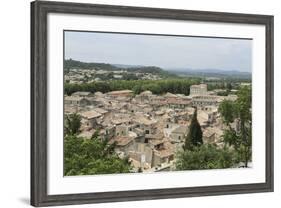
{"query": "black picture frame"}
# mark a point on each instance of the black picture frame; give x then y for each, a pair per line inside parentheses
(39, 98)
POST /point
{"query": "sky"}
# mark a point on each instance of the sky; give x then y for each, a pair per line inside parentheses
(167, 52)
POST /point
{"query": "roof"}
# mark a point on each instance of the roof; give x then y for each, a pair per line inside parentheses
(156, 141)
(147, 92)
(90, 114)
(69, 110)
(119, 92)
(208, 132)
(98, 93)
(154, 136)
(168, 94)
(159, 112)
(121, 140)
(144, 121)
(100, 110)
(198, 86)
(172, 100)
(165, 153)
(81, 93)
(87, 134)
(73, 98)
(180, 130)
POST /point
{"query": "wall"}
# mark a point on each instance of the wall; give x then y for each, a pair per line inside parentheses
(15, 82)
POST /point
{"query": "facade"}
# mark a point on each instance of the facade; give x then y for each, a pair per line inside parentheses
(81, 94)
(205, 100)
(76, 101)
(179, 134)
(89, 119)
(200, 89)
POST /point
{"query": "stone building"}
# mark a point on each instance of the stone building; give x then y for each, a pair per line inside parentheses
(200, 89)
(120, 93)
(76, 101)
(89, 119)
(178, 135)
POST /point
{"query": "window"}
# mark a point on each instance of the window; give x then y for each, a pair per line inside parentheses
(146, 131)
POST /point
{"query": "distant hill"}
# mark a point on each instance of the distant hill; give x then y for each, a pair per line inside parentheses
(73, 64)
(176, 72)
(126, 66)
(219, 73)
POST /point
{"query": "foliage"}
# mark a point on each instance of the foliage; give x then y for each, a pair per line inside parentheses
(229, 86)
(206, 156)
(91, 156)
(72, 124)
(177, 86)
(223, 93)
(71, 64)
(237, 116)
(194, 136)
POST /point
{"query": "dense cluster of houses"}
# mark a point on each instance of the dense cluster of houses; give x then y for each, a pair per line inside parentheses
(147, 128)
(79, 76)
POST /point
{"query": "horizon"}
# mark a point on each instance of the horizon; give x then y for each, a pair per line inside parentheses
(170, 53)
(166, 69)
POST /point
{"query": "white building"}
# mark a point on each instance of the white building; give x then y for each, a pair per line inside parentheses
(200, 89)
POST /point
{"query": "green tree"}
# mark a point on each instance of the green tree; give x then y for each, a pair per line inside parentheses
(237, 116)
(72, 124)
(178, 86)
(194, 136)
(206, 156)
(91, 156)
(229, 86)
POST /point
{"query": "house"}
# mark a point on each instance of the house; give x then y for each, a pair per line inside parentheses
(87, 134)
(163, 156)
(121, 130)
(101, 111)
(76, 100)
(124, 144)
(203, 100)
(89, 118)
(147, 125)
(200, 89)
(144, 97)
(142, 154)
(120, 93)
(82, 94)
(178, 102)
(209, 136)
(212, 135)
(179, 134)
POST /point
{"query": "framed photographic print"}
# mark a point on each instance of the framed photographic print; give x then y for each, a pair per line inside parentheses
(132, 103)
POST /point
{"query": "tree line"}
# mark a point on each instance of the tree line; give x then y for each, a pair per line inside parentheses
(177, 86)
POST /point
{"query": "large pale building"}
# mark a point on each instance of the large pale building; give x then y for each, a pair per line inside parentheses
(200, 89)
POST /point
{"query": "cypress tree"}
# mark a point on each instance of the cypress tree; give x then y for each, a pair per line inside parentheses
(194, 136)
